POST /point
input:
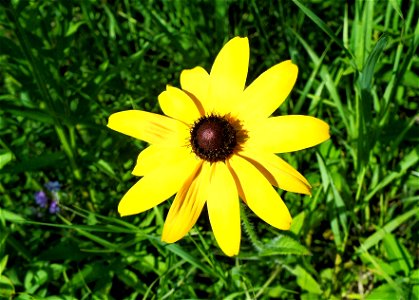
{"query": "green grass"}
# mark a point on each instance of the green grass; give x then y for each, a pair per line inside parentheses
(65, 66)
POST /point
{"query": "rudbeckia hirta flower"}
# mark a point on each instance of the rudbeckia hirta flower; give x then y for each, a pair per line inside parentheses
(217, 143)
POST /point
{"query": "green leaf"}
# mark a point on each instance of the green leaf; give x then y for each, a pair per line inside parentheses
(3, 262)
(310, 296)
(414, 282)
(414, 277)
(309, 13)
(367, 132)
(5, 158)
(306, 281)
(326, 78)
(7, 288)
(398, 256)
(384, 291)
(105, 167)
(128, 277)
(366, 75)
(284, 245)
(406, 163)
(6, 215)
(178, 250)
(340, 219)
(74, 26)
(9, 47)
(89, 273)
(26, 112)
(380, 270)
(385, 267)
(396, 7)
(62, 251)
(376, 237)
(52, 159)
(297, 223)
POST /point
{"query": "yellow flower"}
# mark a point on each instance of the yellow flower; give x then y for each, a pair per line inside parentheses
(217, 143)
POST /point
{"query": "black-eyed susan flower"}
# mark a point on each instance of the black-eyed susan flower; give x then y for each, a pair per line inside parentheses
(217, 143)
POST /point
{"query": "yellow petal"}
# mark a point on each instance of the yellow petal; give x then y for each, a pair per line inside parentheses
(158, 185)
(177, 104)
(149, 127)
(259, 195)
(278, 172)
(223, 209)
(228, 75)
(187, 206)
(156, 156)
(268, 91)
(288, 133)
(196, 83)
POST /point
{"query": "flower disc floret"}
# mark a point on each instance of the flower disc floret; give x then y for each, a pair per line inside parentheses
(213, 138)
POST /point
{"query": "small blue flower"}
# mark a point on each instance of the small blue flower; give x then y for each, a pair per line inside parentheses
(53, 207)
(53, 186)
(41, 199)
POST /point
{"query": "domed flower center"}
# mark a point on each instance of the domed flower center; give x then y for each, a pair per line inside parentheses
(209, 136)
(213, 138)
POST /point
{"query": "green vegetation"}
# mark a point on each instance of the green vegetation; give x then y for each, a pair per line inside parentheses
(65, 66)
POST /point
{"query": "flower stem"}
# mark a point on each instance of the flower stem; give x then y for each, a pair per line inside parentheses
(250, 230)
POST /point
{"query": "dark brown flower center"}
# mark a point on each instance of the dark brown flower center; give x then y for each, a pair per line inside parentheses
(213, 138)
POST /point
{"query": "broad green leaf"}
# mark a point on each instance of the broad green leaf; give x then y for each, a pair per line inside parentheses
(414, 277)
(306, 281)
(128, 277)
(297, 223)
(74, 26)
(3, 263)
(7, 289)
(284, 245)
(10, 216)
(414, 282)
(310, 296)
(105, 167)
(380, 270)
(5, 158)
(384, 291)
(384, 266)
(275, 292)
(398, 256)
(410, 79)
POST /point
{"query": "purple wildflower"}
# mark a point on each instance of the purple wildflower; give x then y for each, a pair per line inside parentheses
(53, 207)
(53, 186)
(41, 199)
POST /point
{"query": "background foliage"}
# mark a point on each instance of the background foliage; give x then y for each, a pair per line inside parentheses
(65, 66)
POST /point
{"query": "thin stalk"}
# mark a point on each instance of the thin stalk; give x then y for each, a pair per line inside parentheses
(249, 229)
